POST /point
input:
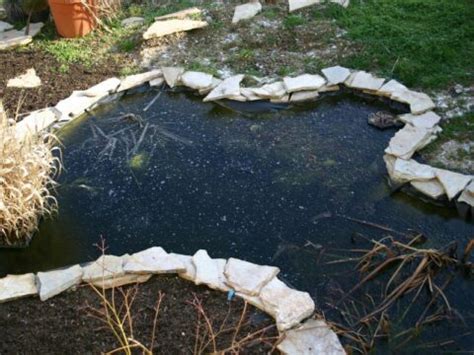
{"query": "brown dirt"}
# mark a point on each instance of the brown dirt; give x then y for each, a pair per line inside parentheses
(55, 84)
(64, 325)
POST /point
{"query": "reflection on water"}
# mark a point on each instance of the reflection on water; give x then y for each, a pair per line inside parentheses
(267, 186)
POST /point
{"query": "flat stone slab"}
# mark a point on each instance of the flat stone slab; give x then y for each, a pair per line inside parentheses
(270, 91)
(104, 88)
(425, 120)
(25, 81)
(246, 11)
(133, 22)
(196, 80)
(314, 337)
(52, 283)
(13, 287)
(249, 94)
(408, 140)
(409, 170)
(5, 26)
(303, 83)
(75, 105)
(299, 4)
(364, 81)
(14, 38)
(135, 80)
(247, 277)
(302, 96)
(336, 75)
(419, 102)
(227, 89)
(172, 75)
(453, 183)
(221, 263)
(123, 280)
(190, 270)
(431, 188)
(207, 270)
(181, 14)
(105, 268)
(167, 27)
(157, 82)
(288, 306)
(467, 195)
(153, 260)
(36, 122)
(391, 87)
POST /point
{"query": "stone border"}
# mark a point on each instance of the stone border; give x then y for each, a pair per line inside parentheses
(256, 284)
(421, 124)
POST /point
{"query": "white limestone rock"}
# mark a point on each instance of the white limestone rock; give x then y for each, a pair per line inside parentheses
(246, 11)
(419, 102)
(153, 260)
(190, 270)
(271, 91)
(36, 122)
(105, 268)
(303, 82)
(196, 80)
(157, 82)
(299, 4)
(215, 83)
(249, 94)
(14, 38)
(221, 263)
(452, 182)
(253, 300)
(247, 277)
(314, 337)
(364, 81)
(431, 188)
(13, 287)
(75, 105)
(467, 195)
(104, 88)
(25, 81)
(425, 120)
(409, 170)
(167, 27)
(135, 80)
(172, 75)
(5, 26)
(281, 100)
(207, 270)
(408, 140)
(193, 11)
(336, 75)
(288, 306)
(227, 89)
(393, 86)
(133, 22)
(301, 96)
(53, 283)
(329, 88)
(123, 280)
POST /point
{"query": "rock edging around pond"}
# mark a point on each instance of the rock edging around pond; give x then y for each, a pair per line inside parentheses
(256, 284)
(420, 125)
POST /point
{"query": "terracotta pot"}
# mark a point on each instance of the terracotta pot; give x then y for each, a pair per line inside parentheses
(72, 18)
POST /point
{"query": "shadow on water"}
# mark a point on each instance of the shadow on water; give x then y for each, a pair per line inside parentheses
(235, 179)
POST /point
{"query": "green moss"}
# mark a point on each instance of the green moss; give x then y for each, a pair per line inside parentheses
(138, 161)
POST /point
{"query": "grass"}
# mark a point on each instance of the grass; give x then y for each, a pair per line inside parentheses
(424, 43)
(26, 168)
(292, 21)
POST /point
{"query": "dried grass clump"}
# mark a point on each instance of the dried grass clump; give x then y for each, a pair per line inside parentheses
(27, 171)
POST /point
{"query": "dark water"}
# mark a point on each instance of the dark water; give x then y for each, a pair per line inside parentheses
(269, 186)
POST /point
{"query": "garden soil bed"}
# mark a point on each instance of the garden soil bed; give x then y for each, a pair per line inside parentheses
(65, 325)
(56, 85)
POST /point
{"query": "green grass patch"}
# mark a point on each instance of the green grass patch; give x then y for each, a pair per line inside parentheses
(292, 21)
(423, 43)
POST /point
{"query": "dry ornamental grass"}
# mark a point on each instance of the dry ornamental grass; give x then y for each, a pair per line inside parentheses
(27, 171)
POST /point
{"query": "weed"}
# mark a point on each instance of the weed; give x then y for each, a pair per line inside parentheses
(292, 21)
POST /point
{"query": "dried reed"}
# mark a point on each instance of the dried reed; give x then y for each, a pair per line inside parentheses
(27, 171)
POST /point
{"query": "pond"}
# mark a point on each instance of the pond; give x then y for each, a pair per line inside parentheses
(263, 182)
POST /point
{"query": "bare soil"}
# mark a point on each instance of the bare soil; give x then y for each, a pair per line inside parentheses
(65, 325)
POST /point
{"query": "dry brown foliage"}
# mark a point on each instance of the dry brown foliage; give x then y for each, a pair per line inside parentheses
(27, 171)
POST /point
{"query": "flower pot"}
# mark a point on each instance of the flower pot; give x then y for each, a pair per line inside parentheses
(72, 18)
